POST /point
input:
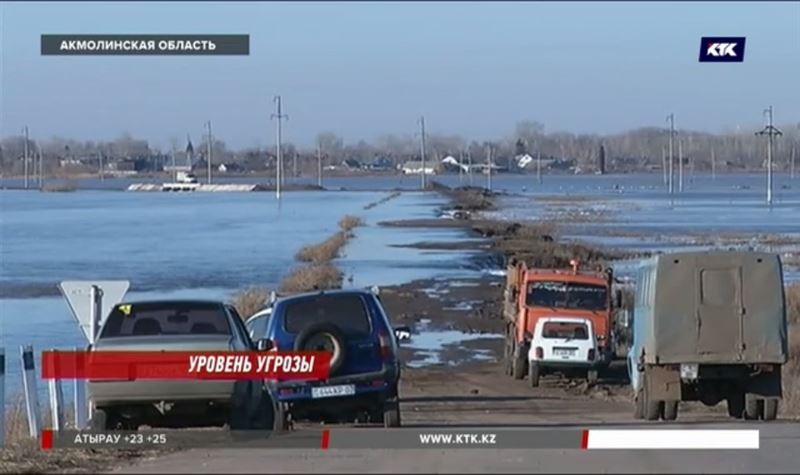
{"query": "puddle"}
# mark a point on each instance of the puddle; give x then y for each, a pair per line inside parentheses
(463, 306)
(429, 345)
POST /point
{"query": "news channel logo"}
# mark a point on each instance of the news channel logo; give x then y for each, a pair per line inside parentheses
(722, 49)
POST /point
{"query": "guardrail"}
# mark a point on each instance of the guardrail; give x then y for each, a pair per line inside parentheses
(31, 395)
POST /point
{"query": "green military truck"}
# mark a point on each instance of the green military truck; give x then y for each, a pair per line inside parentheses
(708, 326)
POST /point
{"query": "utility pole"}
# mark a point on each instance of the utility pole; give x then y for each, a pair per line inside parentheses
(25, 165)
(319, 164)
(664, 163)
(680, 166)
(209, 151)
(539, 167)
(791, 167)
(422, 147)
(279, 169)
(461, 167)
(771, 132)
(41, 171)
(713, 165)
(671, 121)
(100, 165)
(469, 166)
(489, 167)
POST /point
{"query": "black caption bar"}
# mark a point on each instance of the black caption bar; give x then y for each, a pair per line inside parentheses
(147, 45)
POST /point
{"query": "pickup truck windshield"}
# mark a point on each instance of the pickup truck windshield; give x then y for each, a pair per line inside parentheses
(571, 295)
(157, 318)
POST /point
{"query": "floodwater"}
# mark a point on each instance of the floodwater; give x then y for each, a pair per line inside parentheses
(636, 212)
(208, 245)
(190, 246)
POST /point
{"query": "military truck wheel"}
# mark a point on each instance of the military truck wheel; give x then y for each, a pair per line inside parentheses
(638, 405)
(533, 374)
(653, 408)
(735, 404)
(770, 407)
(753, 406)
(670, 410)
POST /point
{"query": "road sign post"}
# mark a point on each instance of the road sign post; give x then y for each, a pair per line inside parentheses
(91, 301)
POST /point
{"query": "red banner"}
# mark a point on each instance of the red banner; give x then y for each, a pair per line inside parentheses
(154, 365)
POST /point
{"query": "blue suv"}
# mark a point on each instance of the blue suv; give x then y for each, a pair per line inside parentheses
(365, 367)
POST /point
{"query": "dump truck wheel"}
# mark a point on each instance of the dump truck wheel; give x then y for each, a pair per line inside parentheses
(752, 407)
(533, 374)
(670, 410)
(770, 407)
(509, 353)
(736, 405)
(518, 367)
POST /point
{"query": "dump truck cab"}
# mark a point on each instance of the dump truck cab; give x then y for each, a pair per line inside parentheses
(535, 293)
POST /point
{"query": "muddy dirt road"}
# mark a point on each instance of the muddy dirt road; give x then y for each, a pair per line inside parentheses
(479, 397)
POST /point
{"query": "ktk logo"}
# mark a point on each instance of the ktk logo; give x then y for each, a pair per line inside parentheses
(729, 49)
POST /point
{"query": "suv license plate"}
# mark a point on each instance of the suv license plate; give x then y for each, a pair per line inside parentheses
(564, 351)
(333, 391)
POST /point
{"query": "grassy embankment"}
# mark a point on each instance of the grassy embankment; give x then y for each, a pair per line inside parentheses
(316, 273)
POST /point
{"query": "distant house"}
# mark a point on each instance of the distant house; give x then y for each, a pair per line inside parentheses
(415, 168)
(351, 164)
(449, 163)
(230, 167)
(381, 164)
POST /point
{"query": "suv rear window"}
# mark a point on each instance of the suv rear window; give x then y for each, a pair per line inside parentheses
(345, 311)
(166, 318)
(565, 330)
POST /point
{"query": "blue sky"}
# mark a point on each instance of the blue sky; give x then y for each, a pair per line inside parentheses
(365, 69)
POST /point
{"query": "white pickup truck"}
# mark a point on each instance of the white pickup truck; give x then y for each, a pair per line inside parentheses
(563, 344)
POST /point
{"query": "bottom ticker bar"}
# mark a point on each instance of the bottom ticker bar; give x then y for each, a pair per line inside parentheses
(401, 438)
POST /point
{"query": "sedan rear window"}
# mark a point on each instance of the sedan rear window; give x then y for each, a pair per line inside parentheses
(565, 330)
(166, 318)
(345, 311)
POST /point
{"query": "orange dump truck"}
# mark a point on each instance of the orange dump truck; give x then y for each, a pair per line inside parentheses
(531, 294)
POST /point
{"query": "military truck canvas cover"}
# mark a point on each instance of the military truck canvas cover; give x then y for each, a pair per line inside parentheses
(711, 307)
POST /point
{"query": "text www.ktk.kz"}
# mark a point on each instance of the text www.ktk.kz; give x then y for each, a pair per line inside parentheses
(458, 439)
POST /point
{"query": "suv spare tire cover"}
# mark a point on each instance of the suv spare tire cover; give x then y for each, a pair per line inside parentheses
(323, 337)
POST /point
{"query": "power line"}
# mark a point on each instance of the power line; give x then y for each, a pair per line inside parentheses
(771, 132)
(209, 151)
(25, 166)
(422, 147)
(279, 169)
(671, 121)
